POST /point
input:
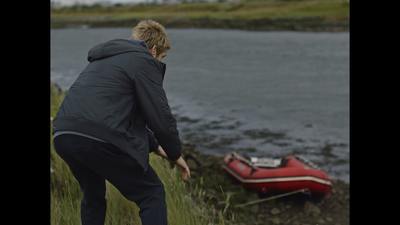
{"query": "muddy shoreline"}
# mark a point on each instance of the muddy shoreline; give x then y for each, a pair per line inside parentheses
(219, 190)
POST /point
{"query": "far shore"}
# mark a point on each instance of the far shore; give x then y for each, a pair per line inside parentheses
(261, 15)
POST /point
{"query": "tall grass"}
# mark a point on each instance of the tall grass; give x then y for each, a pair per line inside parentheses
(184, 207)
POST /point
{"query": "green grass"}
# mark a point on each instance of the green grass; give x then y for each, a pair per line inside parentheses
(185, 206)
(233, 14)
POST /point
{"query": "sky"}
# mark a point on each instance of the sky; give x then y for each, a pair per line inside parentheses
(71, 2)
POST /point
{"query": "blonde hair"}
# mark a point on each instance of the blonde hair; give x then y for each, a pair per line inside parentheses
(153, 33)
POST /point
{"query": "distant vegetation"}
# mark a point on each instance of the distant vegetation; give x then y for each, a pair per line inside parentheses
(308, 15)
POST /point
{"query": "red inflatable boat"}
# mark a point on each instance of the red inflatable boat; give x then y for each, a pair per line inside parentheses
(266, 175)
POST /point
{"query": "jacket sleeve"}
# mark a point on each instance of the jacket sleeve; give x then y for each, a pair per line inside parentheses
(154, 107)
(153, 143)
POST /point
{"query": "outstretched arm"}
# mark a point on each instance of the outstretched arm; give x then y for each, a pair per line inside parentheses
(153, 104)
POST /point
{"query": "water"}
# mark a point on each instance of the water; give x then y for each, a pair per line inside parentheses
(258, 93)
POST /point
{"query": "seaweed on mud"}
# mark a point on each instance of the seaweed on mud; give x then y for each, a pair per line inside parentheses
(327, 151)
(265, 134)
(185, 119)
(222, 142)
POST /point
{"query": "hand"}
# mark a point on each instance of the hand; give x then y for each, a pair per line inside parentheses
(160, 151)
(184, 168)
(180, 162)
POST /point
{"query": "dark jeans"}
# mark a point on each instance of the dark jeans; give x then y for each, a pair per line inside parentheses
(92, 162)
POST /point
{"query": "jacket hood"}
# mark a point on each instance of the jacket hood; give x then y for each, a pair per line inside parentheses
(115, 47)
(120, 46)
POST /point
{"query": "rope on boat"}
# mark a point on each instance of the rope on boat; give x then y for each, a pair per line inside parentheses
(304, 190)
(307, 161)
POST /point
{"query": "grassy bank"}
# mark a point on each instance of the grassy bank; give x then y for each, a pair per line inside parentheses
(184, 206)
(306, 15)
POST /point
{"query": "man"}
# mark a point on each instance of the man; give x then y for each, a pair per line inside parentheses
(114, 114)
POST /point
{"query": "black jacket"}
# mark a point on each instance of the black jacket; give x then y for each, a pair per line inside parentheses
(117, 97)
